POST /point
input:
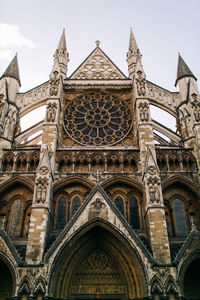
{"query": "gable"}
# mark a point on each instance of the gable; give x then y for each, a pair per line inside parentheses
(97, 66)
(97, 207)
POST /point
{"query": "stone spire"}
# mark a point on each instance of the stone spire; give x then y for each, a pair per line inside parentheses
(183, 70)
(61, 55)
(133, 54)
(13, 70)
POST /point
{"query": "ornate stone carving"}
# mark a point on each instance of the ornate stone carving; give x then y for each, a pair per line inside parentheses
(154, 190)
(97, 119)
(2, 222)
(43, 170)
(97, 205)
(140, 83)
(98, 66)
(54, 83)
(144, 111)
(41, 189)
(51, 111)
(151, 170)
(98, 274)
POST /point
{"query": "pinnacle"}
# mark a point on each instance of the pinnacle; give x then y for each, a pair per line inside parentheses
(132, 41)
(183, 70)
(62, 43)
(13, 70)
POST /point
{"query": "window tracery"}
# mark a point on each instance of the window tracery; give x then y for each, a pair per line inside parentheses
(119, 202)
(15, 220)
(97, 119)
(61, 213)
(75, 204)
(134, 213)
(179, 218)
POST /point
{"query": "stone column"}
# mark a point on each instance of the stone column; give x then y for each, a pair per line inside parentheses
(154, 206)
(42, 199)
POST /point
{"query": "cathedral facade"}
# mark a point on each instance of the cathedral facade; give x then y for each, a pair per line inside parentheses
(99, 200)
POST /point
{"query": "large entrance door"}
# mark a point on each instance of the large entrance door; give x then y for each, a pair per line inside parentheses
(192, 280)
(97, 264)
(6, 283)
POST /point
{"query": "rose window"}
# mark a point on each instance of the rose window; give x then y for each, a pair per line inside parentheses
(97, 119)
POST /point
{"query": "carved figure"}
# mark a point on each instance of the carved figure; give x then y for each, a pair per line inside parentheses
(144, 111)
(140, 83)
(41, 190)
(54, 84)
(51, 112)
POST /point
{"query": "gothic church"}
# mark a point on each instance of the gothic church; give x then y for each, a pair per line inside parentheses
(95, 202)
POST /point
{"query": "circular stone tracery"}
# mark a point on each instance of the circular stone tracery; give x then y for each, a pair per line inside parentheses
(97, 119)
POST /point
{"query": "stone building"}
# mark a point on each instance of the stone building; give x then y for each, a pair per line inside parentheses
(99, 204)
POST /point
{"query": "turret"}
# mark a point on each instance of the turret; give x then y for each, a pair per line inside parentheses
(186, 82)
(9, 87)
(11, 75)
(61, 56)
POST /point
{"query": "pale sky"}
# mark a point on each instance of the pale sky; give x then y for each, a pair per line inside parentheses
(162, 28)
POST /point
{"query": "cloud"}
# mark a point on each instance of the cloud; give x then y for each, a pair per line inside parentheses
(6, 54)
(10, 36)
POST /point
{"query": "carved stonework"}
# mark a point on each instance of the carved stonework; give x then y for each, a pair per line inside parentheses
(98, 66)
(98, 274)
(51, 111)
(43, 170)
(140, 83)
(154, 189)
(54, 83)
(97, 205)
(98, 209)
(144, 111)
(2, 222)
(41, 189)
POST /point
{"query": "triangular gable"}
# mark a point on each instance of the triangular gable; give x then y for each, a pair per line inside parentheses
(97, 206)
(97, 66)
(150, 163)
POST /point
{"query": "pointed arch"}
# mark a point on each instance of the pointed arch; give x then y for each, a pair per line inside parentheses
(5, 185)
(25, 286)
(156, 286)
(170, 286)
(39, 286)
(8, 276)
(70, 180)
(97, 234)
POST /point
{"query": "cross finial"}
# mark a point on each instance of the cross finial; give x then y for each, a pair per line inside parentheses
(97, 43)
(97, 174)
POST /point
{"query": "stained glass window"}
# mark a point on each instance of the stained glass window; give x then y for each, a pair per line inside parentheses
(119, 204)
(180, 222)
(16, 215)
(76, 203)
(97, 119)
(134, 213)
(61, 213)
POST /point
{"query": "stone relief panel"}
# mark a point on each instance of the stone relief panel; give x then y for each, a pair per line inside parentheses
(98, 273)
(51, 112)
(54, 84)
(98, 66)
(41, 189)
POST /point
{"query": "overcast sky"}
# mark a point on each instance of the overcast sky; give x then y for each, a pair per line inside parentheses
(161, 28)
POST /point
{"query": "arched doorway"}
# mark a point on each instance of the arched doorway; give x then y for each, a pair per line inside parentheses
(98, 263)
(192, 280)
(6, 282)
